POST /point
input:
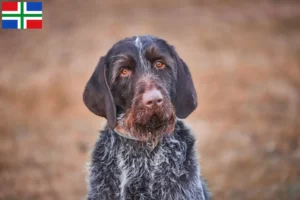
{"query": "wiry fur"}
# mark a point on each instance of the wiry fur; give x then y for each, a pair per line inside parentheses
(145, 152)
(125, 169)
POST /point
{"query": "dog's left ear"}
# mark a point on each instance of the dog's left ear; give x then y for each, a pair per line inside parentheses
(186, 97)
(97, 96)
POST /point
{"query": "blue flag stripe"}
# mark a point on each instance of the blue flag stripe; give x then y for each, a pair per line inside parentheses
(34, 6)
(10, 24)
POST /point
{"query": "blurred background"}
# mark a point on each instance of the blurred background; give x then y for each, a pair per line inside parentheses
(245, 61)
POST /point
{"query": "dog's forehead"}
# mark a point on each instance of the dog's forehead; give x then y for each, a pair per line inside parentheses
(142, 42)
(138, 44)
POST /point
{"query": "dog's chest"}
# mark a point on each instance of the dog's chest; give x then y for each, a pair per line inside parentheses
(147, 173)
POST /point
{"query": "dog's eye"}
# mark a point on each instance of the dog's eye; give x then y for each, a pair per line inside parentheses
(160, 65)
(125, 72)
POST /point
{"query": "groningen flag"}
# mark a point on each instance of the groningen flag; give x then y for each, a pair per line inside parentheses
(22, 15)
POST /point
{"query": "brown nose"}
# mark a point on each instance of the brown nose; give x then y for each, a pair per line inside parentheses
(152, 97)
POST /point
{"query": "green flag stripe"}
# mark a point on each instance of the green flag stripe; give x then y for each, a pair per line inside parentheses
(24, 15)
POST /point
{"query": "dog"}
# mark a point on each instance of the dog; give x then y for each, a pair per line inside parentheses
(144, 90)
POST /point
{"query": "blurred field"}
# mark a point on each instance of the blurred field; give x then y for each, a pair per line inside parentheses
(244, 58)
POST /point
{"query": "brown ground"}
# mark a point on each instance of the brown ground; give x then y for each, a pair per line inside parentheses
(245, 62)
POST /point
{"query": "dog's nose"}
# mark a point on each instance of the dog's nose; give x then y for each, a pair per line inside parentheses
(152, 97)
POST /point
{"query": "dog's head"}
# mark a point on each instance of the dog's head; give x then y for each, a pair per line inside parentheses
(140, 86)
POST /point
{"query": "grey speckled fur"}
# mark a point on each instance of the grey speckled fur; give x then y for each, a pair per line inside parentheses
(125, 169)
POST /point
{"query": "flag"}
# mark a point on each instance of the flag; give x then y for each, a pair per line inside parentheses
(22, 15)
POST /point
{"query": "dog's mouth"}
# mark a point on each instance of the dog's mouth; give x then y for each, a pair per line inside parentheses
(147, 124)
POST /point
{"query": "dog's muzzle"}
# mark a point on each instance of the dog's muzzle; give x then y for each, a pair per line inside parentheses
(151, 115)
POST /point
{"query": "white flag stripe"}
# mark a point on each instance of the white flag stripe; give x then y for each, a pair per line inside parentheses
(14, 12)
(34, 18)
(10, 18)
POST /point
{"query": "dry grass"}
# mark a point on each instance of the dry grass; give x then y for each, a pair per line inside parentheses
(244, 58)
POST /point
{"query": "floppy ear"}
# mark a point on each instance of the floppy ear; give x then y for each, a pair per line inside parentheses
(186, 97)
(97, 96)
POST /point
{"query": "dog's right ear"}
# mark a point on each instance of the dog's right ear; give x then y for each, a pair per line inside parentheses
(97, 96)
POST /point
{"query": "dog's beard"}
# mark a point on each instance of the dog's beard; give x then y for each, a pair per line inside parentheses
(148, 124)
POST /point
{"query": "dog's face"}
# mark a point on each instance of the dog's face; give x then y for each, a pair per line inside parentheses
(140, 86)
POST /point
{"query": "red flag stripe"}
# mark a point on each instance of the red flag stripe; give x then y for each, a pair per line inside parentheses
(34, 24)
(9, 6)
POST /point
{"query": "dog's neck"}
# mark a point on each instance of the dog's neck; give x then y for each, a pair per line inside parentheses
(123, 133)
